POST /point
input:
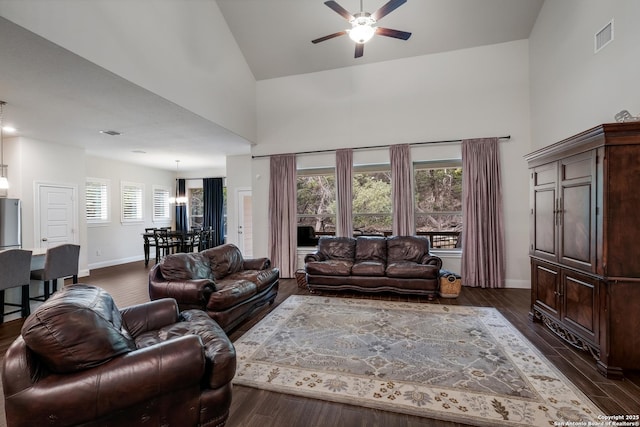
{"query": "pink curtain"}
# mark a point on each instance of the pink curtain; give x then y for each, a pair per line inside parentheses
(402, 190)
(344, 181)
(483, 253)
(282, 214)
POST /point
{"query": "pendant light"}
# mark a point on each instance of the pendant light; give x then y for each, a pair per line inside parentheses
(4, 182)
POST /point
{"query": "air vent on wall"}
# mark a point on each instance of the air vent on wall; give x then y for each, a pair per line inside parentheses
(604, 36)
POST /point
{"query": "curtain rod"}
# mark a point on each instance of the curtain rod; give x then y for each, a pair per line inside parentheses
(199, 179)
(446, 141)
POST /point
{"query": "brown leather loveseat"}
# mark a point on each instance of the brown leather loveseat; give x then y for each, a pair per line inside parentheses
(400, 264)
(82, 361)
(217, 280)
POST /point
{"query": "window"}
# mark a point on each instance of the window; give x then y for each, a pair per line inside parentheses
(161, 212)
(196, 207)
(97, 200)
(372, 200)
(438, 202)
(316, 203)
(132, 201)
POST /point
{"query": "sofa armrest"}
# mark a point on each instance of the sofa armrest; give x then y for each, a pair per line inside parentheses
(315, 257)
(217, 346)
(431, 260)
(194, 292)
(150, 316)
(124, 381)
(256, 264)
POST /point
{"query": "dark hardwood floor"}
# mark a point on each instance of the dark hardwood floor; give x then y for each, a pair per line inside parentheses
(259, 408)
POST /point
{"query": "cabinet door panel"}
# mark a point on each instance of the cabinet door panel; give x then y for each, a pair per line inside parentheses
(545, 230)
(576, 225)
(543, 204)
(545, 287)
(577, 211)
(581, 304)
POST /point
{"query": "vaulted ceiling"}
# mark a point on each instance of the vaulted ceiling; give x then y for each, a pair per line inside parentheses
(275, 35)
(275, 38)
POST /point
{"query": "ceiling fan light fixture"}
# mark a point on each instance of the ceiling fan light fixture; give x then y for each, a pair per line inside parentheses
(362, 28)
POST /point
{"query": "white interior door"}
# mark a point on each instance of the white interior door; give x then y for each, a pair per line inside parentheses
(57, 216)
(245, 228)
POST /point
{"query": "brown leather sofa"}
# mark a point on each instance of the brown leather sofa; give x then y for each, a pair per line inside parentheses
(81, 361)
(400, 264)
(217, 280)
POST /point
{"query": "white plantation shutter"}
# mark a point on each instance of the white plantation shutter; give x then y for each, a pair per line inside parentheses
(161, 204)
(97, 200)
(132, 201)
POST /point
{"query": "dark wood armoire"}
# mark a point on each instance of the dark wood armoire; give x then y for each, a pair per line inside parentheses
(585, 243)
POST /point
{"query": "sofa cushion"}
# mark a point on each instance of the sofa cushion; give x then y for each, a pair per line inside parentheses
(79, 327)
(411, 270)
(262, 278)
(186, 266)
(230, 292)
(224, 260)
(368, 268)
(332, 267)
(371, 248)
(407, 248)
(341, 248)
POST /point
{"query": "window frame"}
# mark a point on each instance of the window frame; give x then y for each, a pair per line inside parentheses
(438, 164)
(104, 205)
(126, 188)
(374, 168)
(326, 171)
(160, 191)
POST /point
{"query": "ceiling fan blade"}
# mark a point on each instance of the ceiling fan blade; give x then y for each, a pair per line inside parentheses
(330, 36)
(340, 10)
(393, 33)
(386, 9)
(359, 50)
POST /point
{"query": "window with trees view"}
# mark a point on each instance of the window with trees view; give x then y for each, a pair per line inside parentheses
(316, 203)
(438, 202)
(372, 200)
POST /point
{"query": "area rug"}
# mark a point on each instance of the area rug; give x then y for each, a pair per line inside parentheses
(454, 363)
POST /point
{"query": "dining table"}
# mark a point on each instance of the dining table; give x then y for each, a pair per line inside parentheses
(182, 236)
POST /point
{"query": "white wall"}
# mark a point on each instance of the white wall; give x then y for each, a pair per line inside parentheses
(239, 174)
(573, 88)
(114, 242)
(149, 44)
(463, 94)
(49, 163)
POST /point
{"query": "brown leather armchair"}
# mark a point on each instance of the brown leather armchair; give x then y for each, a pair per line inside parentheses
(219, 281)
(82, 361)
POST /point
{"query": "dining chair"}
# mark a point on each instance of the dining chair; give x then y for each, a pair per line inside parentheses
(15, 267)
(149, 242)
(191, 240)
(206, 238)
(165, 243)
(59, 262)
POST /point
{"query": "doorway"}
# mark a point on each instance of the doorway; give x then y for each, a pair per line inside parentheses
(56, 221)
(245, 220)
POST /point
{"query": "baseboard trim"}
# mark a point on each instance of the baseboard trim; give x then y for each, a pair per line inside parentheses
(113, 262)
(517, 284)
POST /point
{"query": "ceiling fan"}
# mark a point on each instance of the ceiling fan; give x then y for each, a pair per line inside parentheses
(363, 24)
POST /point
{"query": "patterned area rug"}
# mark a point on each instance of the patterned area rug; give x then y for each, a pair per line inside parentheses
(461, 364)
